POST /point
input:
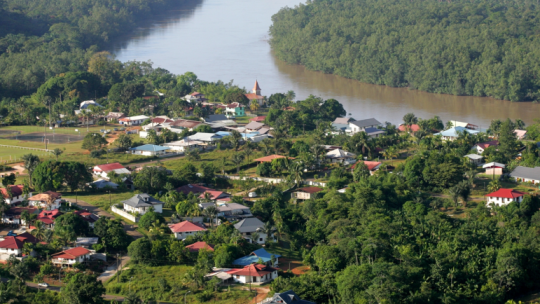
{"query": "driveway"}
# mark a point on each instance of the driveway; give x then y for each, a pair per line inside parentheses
(111, 270)
(130, 229)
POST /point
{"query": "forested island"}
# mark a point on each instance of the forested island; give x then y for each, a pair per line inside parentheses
(479, 48)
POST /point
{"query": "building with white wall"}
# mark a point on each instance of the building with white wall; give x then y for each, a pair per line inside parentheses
(503, 197)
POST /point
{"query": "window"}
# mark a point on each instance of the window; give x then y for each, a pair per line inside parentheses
(260, 239)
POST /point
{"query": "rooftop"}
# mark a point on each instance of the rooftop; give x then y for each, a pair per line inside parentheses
(309, 189)
(108, 167)
(186, 189)
(371, 165)
(506, 193)
(249, 225)
(365, 122)
(525, 172)
(71, 254)
(148, 147)
(45, 196)
(258, 118)
(16, 190)
(195, 247)
(186, 226)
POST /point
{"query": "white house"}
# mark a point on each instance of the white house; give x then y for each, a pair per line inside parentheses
(195, 97)
(184, 229)
(103, 170)
(133, 120)
(185, 145)
(494, 168)
(503, 197)
(13, 215)
(71, 256)
(255, 273)
(16, 196)
(480, 147)
(453, 133)
(49, 200)
(142, 203)
(361, 125)
(474, 158)
(13, 245)
(252, 225)
(204, 137)
(149, 150)
(341, 156)
(306, 193)
(527, 175)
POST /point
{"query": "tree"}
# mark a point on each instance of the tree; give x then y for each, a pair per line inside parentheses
(123, 142)
(149, 218)
(237, 160)
(31, 161)
(225, 255)
(494, 185)
(140, 251)
(203, 129)
(82, 288)
(248, 152)
(111, 233)
(57, 152)
(409, 119)
(211, 212)
(360, 171)
(234, 139)
(290, 95)
(193, 155)
(507, 140)
(254, 106)
(93, 142)
(264, 169)
(296, 172)
(9, 179)
(150, 179)
(70, 225)
(76, 175)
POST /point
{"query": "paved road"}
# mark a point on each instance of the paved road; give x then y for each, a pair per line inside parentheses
(111, 270)
(130, 229)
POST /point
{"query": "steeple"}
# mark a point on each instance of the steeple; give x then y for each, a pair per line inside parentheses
(256, 88)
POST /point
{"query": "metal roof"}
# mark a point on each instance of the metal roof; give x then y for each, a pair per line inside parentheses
(249, 225)
(524, 172)
(148, 147)
(365, 122)
(142, 200)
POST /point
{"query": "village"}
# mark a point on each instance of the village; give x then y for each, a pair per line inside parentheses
(212, 193)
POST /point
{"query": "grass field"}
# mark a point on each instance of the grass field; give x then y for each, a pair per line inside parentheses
(166, 283)
(101, 199)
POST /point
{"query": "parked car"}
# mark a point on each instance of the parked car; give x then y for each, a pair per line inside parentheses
(43, 284)
(252, 194)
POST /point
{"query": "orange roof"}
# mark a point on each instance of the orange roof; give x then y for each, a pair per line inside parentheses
(310, 189)
(214, 194)
(486, 145)
(256, 86)
(270, 158)
(252, 96)
(371, 165)
(108, 167)
(11, 242)
(195, 247)
(72, 253)
(45, 196)
(289, 108)
(186, 226)
(257, 270)
(16, 190)
(413, 128)
(258, 118)
(506, 193)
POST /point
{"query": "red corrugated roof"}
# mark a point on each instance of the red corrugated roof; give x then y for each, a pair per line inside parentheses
(186, 226)
(486, 145)
(257, 270)
(506, 193)
(252, 96)
(370, 164)
(27, 237)
(72, 253)
(195, 247)
(413, 128)
(258, 118)
(108, 167)
(310, 189)
(11, 242)
(16, 190)
(213, 194)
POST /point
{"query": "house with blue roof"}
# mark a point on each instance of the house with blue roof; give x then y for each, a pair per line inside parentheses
(254, 257)
(149, 150)
(453, 133)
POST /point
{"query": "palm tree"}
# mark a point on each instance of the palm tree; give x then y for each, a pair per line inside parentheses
(409, 119)
(237, 159)
(494, 186)
(296, 171)
(520, 124)
(254, 106)
(254, 237)
(57, 152)
(31, 161)
(268, 229)
(158, 228)
(361, 142)
(454, 194)
(248, 152)
(48, 235)
(211, 212)
(390, 153)
(316, 150)
(39, 231)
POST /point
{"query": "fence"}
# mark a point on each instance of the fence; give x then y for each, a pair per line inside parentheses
(25, 148)
(125, 214)
(270, 180)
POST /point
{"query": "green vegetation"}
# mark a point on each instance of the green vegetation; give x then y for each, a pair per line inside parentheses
(480, 48)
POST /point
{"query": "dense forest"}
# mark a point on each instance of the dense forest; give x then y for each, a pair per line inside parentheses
(463, 47)
(40, 39)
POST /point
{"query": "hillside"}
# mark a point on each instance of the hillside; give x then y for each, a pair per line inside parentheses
(480, 48)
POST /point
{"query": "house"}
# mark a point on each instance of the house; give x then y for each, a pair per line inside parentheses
(87, 103)
(466, 125)
(86, 242)
(361, 125)
(161, 120)
(453, 133)
(306, 193)
(480, 147)
(258, 119)
(186, 228)
(494, 168)
(270, 158)
(258, 138)
(149, 150)
(254, 257)
(48, 199)
(195, 247)
(287, 297)
(13, 215)
(235, 109)
(341, 156)
(114, 116)
(195, 189)
(185, 124)
(71, 256)
(474, 158)
(251, 225)
(16, 195)
(255, 94)
(503, 197)
(142, 203)
(133, 120)
(103, 170)
(371, 165)
(214, 195)
(229, 210)
(195, 97)
(87, 216)
(157, 127)
(254, 126)
(343, 120)
(185, 145)
(13, 245)
(204, 137)
(103, 184)
(412, 128)
(254, 273)
(527, 175)
(521, 134)
(47, 217)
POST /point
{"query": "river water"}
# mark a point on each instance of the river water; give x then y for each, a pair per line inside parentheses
(224, 40)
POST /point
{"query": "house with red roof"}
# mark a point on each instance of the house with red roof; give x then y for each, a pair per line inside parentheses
(186, 228)
(306, 193)
(480, 147)
(412, 128)
(87, 216)
(16, 195)
(258, 119)
(371, 165)
(255, 94)
(103, 170)
(195, 97)
(13, 245)
(71, 256)
(195, 247)
(503, 197)
(47, 217)
(214, 195)
(13, 215)
(255, 273)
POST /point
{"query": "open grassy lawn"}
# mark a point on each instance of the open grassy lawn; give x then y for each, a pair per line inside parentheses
(167, 283)
(101, 199)
(215, 157)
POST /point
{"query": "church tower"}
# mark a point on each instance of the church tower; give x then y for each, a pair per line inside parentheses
(256, 88)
